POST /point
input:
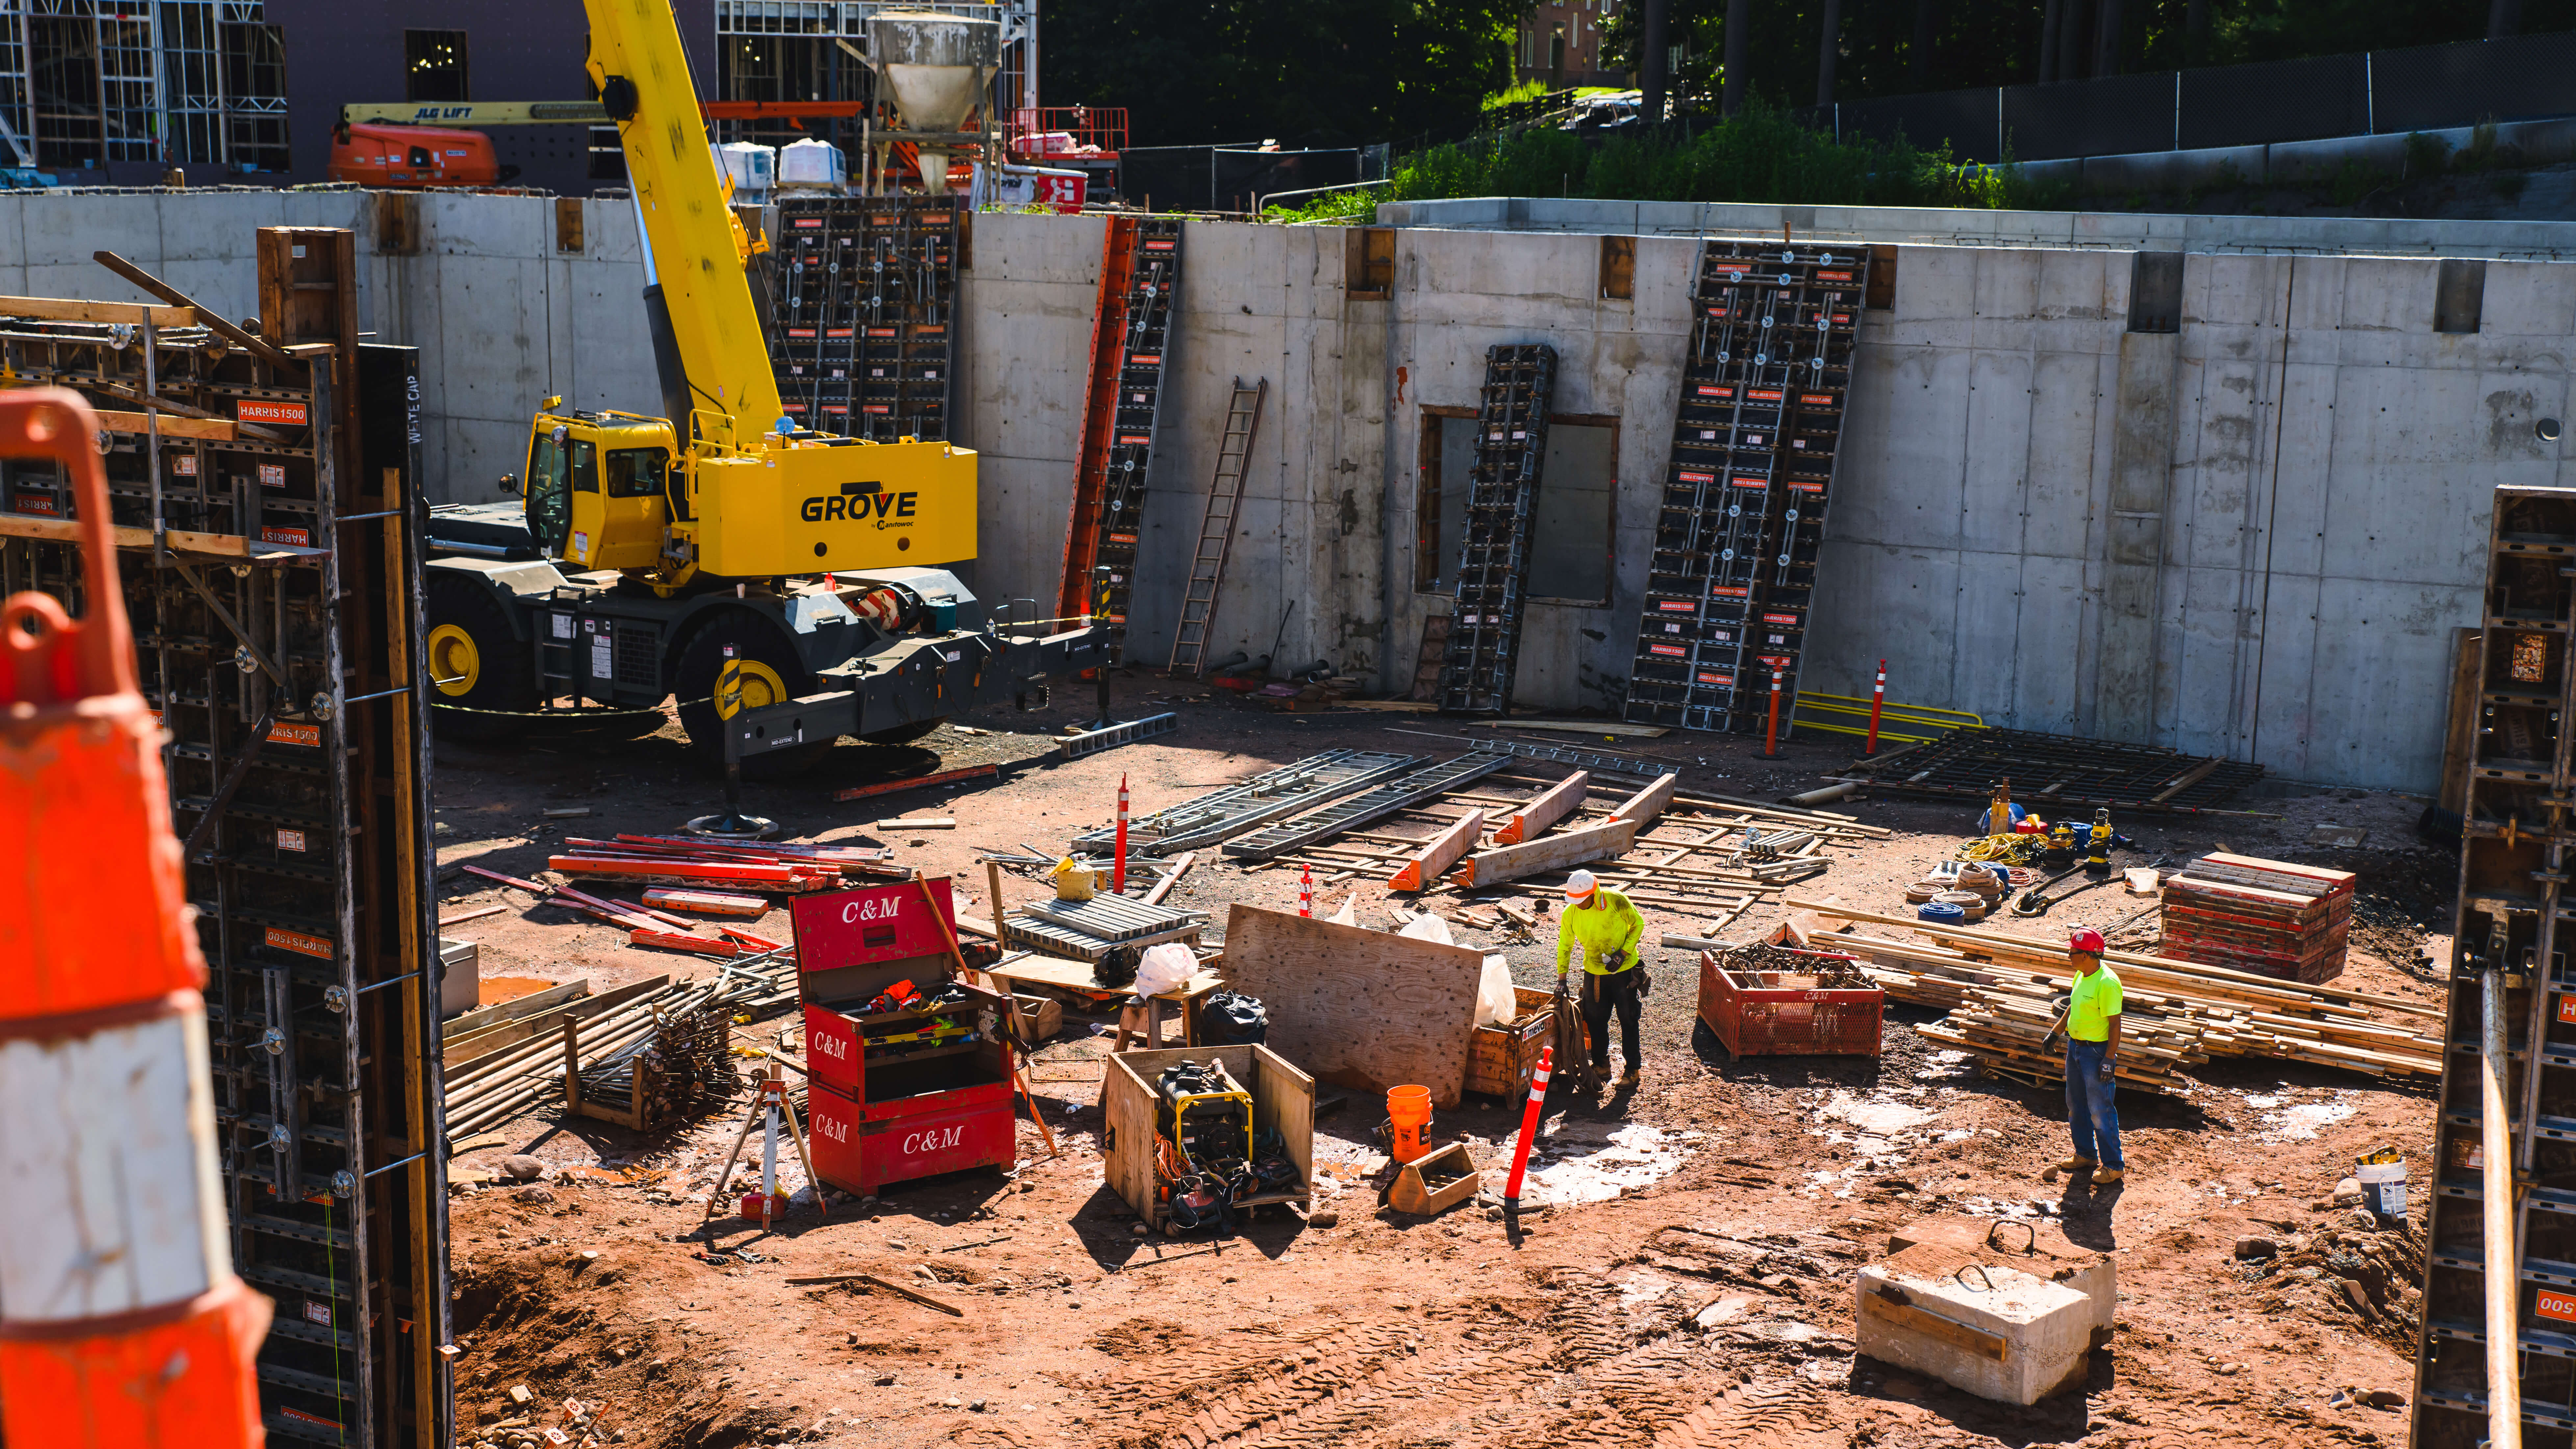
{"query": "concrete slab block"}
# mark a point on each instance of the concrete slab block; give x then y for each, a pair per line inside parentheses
(488, 226)
(2014, 1336)
(212, 225)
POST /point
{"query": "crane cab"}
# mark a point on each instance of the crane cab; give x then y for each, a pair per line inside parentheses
(602, 488)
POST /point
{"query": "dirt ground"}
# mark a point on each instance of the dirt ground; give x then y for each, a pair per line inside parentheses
(1709, 1301)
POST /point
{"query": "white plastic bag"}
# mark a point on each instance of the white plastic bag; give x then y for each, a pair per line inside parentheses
(1427, 927)
(1164, 968)
(1495, 1003)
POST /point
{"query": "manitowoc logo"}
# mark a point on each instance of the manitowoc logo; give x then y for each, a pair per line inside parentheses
(937, 1139)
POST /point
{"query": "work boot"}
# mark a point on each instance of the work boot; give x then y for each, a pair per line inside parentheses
(1601, 1066)
(2073, 1164)
(1629, 1077)
(2108, 1176)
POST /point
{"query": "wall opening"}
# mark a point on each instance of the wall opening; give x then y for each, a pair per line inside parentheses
(434, 66)
(2459, 296)
(1368, 262)
(1619, 267)
(2155, 291)
(1571, 532)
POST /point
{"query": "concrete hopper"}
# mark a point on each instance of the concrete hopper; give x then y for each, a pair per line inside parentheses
(937, 68)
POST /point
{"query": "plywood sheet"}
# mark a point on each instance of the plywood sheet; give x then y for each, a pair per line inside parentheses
(1359, 1008)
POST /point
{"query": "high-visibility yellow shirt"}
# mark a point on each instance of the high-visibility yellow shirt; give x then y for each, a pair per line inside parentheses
(1608, 922)
(2096, 999)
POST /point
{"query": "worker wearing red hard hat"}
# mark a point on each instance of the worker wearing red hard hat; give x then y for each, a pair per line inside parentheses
(2091, 1022)
(1608, 927)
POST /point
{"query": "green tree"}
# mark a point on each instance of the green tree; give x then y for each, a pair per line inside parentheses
(1313, 73)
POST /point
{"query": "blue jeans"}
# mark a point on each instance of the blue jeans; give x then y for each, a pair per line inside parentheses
(2090, 1112)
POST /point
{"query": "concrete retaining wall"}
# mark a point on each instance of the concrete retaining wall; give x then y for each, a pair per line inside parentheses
(2253, 537)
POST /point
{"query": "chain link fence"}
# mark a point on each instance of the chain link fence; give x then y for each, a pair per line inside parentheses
(2424, 88)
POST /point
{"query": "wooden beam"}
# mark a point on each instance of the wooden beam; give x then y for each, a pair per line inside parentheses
(210, 320)
(1554, 804)
(1549, 852)
(70, 309)
(1933, 1326)
(1439, 853)
(213, 429)
(211, 545)
(1650, 802)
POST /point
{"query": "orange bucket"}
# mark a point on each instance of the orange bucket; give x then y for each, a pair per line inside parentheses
(1409, 1109)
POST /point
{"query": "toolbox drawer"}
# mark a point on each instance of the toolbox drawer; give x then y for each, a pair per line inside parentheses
(975, 1128)
(870, 924)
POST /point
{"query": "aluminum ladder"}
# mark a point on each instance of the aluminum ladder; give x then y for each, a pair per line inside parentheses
(1216, 531)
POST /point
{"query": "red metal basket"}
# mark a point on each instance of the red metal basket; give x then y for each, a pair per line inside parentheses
(1756, 1016)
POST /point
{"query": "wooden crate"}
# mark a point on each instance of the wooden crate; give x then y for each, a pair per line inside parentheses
(1041, 1017)
(1501, 1058)
(1283, 1098)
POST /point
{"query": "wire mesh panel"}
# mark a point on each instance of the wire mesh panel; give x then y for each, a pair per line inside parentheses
(1733, 572)
(865, 295)
(1482, 655)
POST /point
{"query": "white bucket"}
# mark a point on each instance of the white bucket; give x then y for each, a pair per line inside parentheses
(2383, 1187)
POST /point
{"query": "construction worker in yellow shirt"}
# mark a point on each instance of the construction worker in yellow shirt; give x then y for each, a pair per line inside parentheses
(2091, 1022)
(1608, 928)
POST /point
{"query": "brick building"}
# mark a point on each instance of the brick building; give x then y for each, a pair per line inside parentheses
(1560, 45)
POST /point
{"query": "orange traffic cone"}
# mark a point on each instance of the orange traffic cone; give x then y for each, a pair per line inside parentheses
(121, 1322)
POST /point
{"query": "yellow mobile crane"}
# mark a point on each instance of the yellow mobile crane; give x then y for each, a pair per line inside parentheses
(646, 552)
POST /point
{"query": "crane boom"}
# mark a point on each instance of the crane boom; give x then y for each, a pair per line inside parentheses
(643, 78)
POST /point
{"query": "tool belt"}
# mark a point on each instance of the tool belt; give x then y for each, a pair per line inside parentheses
(1593, 981)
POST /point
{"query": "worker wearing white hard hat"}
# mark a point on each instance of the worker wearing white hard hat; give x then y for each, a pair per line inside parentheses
(1607, 926)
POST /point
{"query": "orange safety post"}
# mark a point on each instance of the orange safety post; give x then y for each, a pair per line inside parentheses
(121, 1322)
(1877, 702)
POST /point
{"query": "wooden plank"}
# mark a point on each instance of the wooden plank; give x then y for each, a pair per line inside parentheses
(1444, 850)
(213, 429)
(461, 1054)
(72, 309)
(1127, 1116)
(1356, 1007)
(212, 545)
(1060, 972)
(469, 1022)
(1605, 841)
(2190, 777)
(1554, 804)
(2460, 735)
(1284, 1100)
(1933, 1326)
(1650, 802)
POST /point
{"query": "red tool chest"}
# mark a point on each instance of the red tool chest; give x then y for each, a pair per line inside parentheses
(901, 1093)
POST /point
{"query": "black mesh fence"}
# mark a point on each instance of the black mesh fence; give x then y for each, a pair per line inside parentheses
(2434, 86)
(2090, 118)
(1225, 178)
(1963, 119)
(2427, 88)
(2288, 100)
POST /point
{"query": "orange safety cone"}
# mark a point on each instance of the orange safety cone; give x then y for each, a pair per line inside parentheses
(121, 1322)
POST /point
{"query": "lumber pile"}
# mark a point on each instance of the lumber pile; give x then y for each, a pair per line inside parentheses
(516, 1065)
(2000, 990)
(645, 925)
(2267, 916)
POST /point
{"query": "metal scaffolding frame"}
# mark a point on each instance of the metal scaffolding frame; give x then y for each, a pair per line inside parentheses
(176, 81)
(823, 42)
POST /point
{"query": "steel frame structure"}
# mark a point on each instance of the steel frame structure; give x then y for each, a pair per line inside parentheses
(164, 87)
(837, 32)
